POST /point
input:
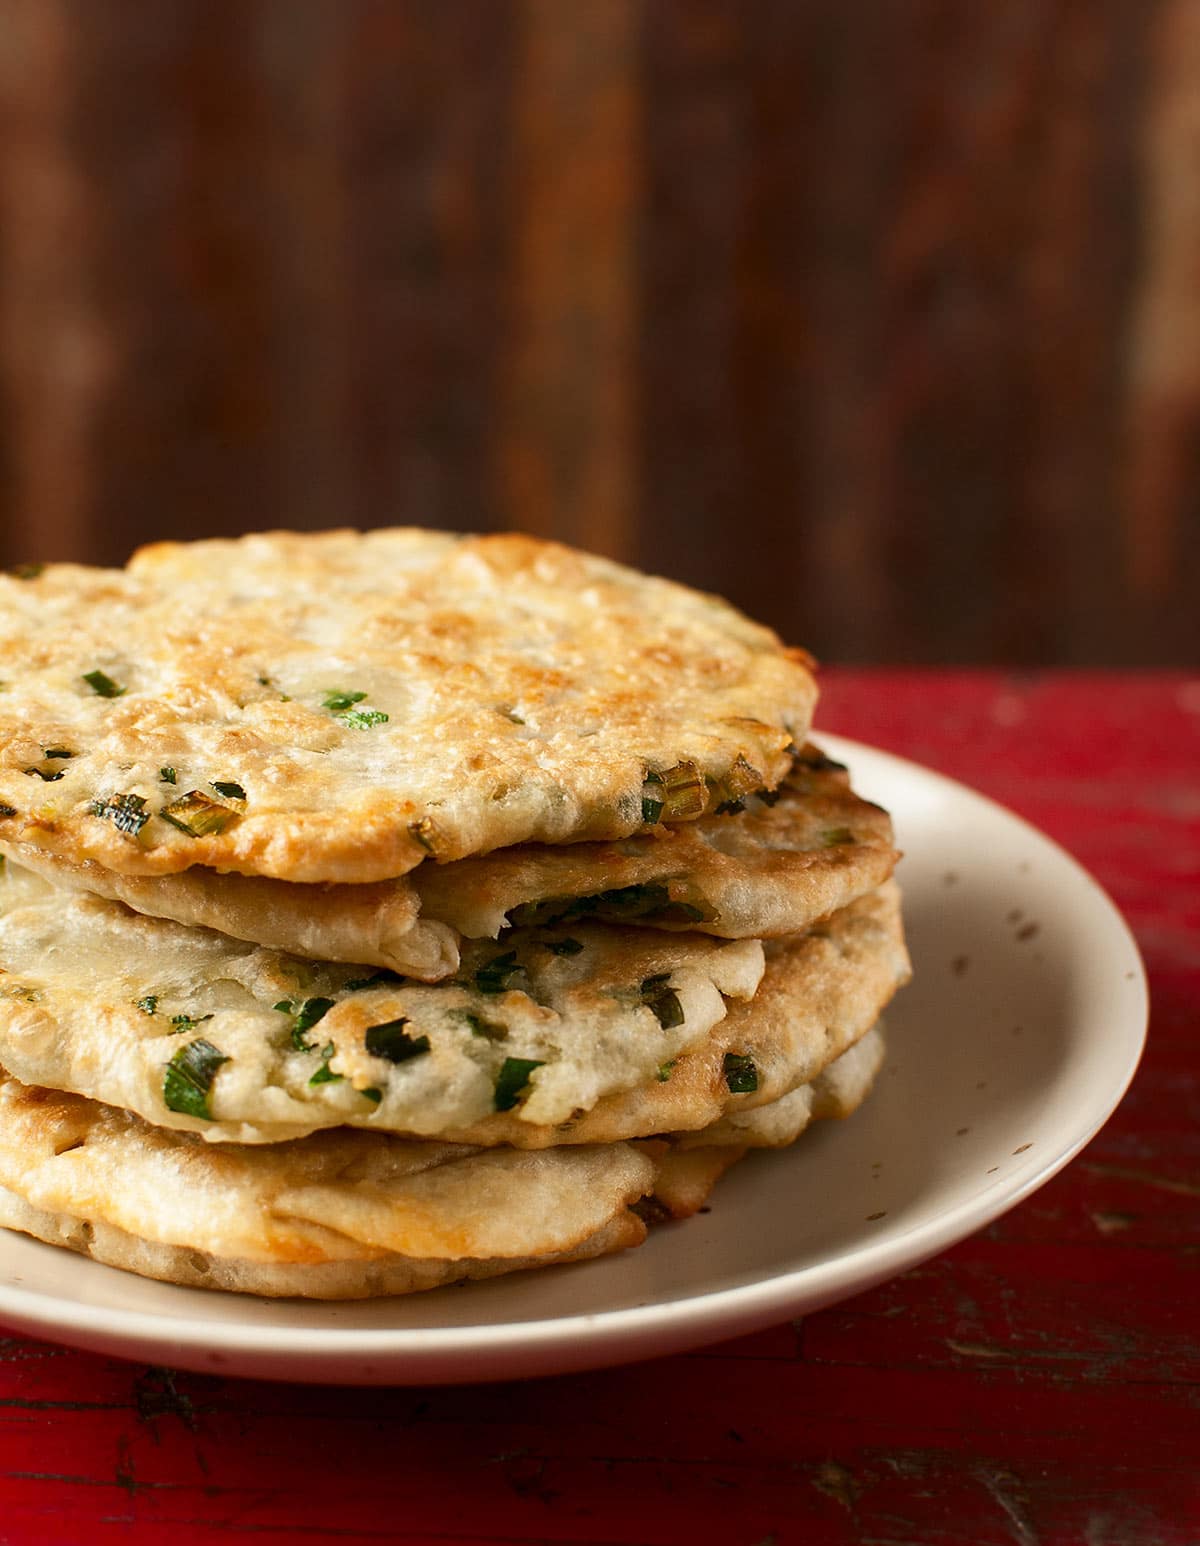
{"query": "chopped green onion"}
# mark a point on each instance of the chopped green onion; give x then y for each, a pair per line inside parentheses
(46, 777)
(182, 1023)
(188, 1077)
(562, 947)
(663, 1001)
(339, 702)
(167, 775)
(652, 800)
(230, 791)
(509, 713)
(324, 1074)
(664, 901)
(481, 1027)
(310, 1013)
(127, 812)
(56, 751)
(285, 1006)
(512, 1080)
(363, 719)
(372, 1094)
(835, 837)
(341, 706)
(664, 1071)
(740, 1073)
(27, 571)
(769, 797)
(198, 815)
(384, 975)
(149, 1004)
(103, 685)
(392, 1042)
(425, 833)
(684, 792)
(494, 977)
(7, 810)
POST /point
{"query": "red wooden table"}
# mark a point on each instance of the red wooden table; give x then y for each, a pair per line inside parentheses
(1037, 1386)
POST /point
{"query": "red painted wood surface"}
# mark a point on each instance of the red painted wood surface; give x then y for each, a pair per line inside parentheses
(1037, 1386)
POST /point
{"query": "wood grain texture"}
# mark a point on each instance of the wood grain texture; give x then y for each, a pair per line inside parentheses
(1035, 1386)
(882, 318)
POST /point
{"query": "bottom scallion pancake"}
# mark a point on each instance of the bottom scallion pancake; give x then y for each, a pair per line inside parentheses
(343, 1214)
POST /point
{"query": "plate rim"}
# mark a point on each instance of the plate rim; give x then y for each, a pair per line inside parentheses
(599, 1337)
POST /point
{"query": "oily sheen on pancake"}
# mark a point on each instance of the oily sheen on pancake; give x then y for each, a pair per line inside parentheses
(786, 860)
(340, 707)
(195, 1030)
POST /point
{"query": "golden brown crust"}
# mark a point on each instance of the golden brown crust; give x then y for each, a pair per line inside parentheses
(769, 870)
(528, 689)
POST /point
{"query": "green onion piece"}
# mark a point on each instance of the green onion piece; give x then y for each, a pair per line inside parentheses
(339, 702)
(167, 775)
(769, 797)
(56, 751)
(127, 812)
(562, 947)
(310, 1013)
(372, 1094)
(648, 899)
(198, 815)
(664, 1071)
(182, 1023)
(652, 798)
(393, 1043)
(188, 1077)
(509, 713)
(363, 719)
(149, 1004)
(384, 975)
(45, 776)
(324, 1074)
(740, 1073)
(663, 1001)
(7, 810)
(494, 977)
(341, 705)
(684, 792)
(481, 1027)
(512, 1079)
(230, 791)
(103, 685)
(27, 571)
(425, 834)
(835, 837)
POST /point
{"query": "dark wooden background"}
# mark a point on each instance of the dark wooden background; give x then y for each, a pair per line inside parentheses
(881, 316)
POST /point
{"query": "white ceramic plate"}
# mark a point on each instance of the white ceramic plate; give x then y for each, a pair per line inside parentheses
(1018, 1036)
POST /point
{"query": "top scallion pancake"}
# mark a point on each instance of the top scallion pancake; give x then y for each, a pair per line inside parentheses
(340, 707)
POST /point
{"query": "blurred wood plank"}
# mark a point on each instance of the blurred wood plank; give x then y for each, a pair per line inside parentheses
(566, 391)
(879, 318)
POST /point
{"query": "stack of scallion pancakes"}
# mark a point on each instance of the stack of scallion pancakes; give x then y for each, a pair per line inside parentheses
(380, 911)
